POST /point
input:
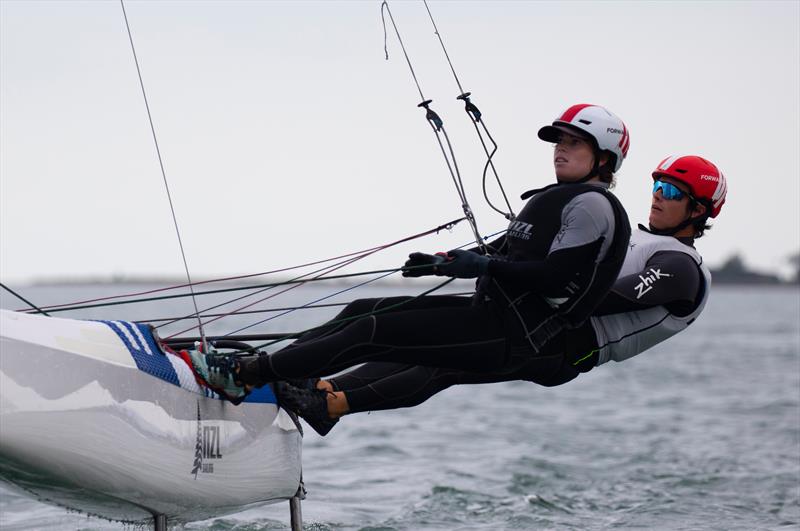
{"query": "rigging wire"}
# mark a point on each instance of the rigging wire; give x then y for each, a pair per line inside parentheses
(322, 271)
(223, 290)
(347, 319)
(23, 299)
(164, 176)
(444, 226)
(307, 306)
(476, 117)
(304, 306)
(437, 125)
(311, 304)
(349, 259)
(326, 270)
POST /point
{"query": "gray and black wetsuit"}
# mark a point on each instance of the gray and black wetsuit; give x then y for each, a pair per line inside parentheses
(554, 266)
(661, 290)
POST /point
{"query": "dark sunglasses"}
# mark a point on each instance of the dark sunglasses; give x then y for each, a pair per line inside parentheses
(669, 191)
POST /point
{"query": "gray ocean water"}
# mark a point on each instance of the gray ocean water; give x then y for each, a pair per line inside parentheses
(701, 432)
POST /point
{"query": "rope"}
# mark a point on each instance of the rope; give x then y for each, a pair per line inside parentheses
(224, 290)
(23, 299)
(321, 272)
(163, 172)
(346, 319)
(308, 306)
(476, 118)
(326, 297)
(445, 226)
(350, 259)
(437, 125)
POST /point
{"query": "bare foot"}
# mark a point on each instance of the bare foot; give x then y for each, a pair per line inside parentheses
(337, 401)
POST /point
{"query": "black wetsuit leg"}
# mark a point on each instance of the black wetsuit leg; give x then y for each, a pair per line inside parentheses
(450, 333)
(378, 386)
(403, 385)
(363, 307)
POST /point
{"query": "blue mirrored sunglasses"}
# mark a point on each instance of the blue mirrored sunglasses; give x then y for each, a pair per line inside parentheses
(669, 191)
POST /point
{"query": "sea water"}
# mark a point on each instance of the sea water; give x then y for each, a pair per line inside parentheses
(700, 432)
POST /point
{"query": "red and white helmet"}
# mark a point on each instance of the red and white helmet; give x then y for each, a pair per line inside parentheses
(607, 130)
(705, 181)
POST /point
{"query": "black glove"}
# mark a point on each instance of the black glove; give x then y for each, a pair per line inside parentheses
(464, 264)
(414, 266)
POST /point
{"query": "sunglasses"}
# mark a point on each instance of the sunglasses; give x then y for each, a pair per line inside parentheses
(669, 191)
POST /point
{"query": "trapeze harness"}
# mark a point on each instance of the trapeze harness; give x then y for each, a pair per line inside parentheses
(506, 324)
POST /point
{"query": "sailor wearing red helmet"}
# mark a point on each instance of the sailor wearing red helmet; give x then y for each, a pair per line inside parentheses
(663, 285)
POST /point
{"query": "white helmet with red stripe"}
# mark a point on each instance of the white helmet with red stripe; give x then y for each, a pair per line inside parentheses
(607, 130)
(705, 181)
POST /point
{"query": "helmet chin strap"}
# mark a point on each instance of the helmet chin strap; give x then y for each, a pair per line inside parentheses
(671, 231)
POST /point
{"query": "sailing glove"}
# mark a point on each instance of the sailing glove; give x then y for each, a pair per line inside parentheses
(464, 264)
(415, 265)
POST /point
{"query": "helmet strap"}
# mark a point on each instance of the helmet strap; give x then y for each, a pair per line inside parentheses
(671, 231)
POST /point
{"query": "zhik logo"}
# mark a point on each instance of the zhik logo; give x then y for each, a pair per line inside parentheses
(647, 281)
(207, 446)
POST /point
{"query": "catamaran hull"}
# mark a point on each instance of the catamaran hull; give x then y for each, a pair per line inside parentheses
(83, 427)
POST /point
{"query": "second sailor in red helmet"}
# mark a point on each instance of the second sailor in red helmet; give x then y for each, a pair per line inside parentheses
(664, 284)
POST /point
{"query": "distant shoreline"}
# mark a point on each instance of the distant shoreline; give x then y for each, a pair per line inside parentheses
(718, 279)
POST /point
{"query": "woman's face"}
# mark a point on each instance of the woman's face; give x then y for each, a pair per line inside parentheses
(573, 158)
(667, 213)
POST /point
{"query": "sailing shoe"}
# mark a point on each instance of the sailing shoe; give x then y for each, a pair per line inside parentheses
(303, 383)
(219, 373)
(310, 404)
(255, 370)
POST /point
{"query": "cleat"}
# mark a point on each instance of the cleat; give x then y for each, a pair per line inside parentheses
(309, 404)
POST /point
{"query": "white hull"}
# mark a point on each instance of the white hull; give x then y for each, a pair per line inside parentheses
(81, 426)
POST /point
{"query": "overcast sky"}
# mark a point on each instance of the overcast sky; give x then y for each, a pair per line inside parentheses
(286, 135)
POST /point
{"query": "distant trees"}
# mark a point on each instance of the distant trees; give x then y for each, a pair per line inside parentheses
(734, 271)
(795, 261)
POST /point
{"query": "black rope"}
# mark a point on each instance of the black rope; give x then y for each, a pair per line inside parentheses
(327, 268)
(364, 252)
(171, 320)
(262, 321)
(476, 118)
(309, 306)
(348, 319)
(347, 259)
(23, 299)
(213, 291)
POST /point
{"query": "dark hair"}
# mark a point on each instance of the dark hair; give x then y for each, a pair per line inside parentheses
(700, 224)
(605, 172)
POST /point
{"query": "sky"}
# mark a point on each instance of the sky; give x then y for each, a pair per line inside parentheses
(287, 136)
